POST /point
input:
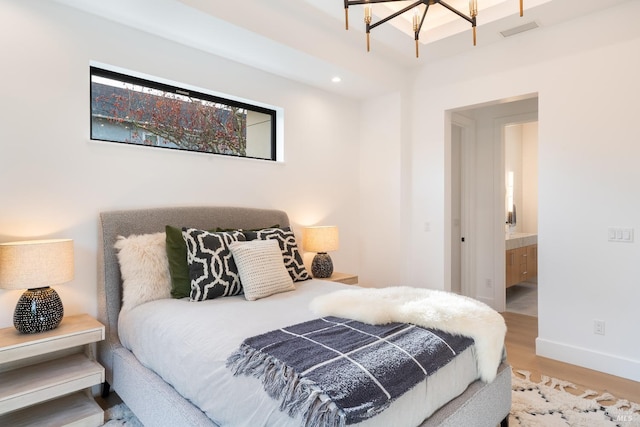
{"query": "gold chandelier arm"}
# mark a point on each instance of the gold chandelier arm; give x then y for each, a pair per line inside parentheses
(417, 26)
(367, 20)
(457, 12)
(398, 13)
(346, 14)
(472, 19)
(424, 16)
(521, 7)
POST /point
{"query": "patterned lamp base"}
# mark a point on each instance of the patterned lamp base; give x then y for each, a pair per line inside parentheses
(38, 310)
(322, 266)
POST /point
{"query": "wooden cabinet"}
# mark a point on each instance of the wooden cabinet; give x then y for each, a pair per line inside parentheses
(522, 264)
(46, 378)
(532, 261)
(514, 266)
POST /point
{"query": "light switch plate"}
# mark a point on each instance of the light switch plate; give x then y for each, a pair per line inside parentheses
(620, 234)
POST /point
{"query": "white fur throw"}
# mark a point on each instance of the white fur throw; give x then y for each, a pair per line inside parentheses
(428, 308)
(144, 268)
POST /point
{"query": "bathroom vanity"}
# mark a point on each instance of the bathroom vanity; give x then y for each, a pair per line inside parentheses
(521, 257)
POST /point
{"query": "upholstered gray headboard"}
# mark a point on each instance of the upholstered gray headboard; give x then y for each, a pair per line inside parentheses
(143, 221)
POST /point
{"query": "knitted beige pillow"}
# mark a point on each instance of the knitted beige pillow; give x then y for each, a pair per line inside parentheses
(261, 268)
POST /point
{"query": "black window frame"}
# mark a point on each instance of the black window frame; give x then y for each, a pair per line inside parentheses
(102, 72)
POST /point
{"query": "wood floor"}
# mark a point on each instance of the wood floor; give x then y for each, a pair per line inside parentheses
(522, 331)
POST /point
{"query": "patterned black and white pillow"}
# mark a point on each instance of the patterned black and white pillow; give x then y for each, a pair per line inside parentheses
(289, 247)
(212, 270)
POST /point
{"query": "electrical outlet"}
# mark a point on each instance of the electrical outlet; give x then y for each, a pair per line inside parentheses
(598, 327)
(488, 283)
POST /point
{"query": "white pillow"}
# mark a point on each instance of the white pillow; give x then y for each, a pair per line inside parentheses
(261, 268)
(144, 268)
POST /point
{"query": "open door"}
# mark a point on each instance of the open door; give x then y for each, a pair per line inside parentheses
(462, 205)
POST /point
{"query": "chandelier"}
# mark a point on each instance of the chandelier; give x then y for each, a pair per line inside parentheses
(417, 19)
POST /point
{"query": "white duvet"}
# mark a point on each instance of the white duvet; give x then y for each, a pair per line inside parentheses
(187, 344)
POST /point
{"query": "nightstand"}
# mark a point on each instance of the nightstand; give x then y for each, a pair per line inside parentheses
(46, 378)
(346, 278)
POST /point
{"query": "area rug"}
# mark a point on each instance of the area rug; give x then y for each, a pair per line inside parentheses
(120, 416)
(549, 404)
(542, 404)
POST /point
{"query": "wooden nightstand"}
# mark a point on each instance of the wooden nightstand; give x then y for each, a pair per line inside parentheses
(346, 278)
(46, 378)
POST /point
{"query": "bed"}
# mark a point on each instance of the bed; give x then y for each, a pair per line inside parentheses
(150, 389)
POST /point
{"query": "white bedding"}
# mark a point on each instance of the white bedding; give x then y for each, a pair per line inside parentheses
(187, 344)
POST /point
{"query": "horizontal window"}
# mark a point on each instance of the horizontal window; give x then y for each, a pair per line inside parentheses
(132, 110)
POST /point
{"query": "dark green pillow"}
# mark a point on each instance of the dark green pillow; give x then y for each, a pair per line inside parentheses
(178, 267)
(245, 229)
(177, 255)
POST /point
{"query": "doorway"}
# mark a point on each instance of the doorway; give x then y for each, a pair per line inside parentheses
(521, 214)
(478, 190)
(463, 172)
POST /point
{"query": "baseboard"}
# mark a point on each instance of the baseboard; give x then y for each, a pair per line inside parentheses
(603, 362)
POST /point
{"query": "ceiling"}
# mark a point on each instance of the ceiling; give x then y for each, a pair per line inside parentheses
(309, 40)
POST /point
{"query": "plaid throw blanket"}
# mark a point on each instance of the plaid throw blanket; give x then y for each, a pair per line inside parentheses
(335, 371)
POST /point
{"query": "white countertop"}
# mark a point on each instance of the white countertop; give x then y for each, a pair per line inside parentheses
(518, 240)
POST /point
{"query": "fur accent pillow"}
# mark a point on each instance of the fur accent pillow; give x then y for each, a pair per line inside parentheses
(261, 268)
(144, 268)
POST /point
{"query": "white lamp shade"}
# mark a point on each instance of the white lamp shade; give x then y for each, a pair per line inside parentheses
(35, 263)
(320, 239)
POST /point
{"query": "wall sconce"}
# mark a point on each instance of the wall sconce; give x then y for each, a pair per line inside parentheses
(511, 207)
(35, 265)
(321, 240)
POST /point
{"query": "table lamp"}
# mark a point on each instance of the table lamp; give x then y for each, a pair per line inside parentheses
(321, 240)
(35, 265)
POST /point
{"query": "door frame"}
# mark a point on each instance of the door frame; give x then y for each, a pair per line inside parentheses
(499, 262)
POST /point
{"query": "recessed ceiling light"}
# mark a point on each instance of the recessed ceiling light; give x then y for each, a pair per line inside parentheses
(336, 79)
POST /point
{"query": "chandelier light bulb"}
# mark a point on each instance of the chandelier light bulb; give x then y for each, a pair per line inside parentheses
(473, 8)
(367, 21)
(367, 14)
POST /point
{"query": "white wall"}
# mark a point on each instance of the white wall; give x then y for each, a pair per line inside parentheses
(521, 158)
(530, 177)
(585, 72)
(381, 246)
(54, 181)
(513, 160)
